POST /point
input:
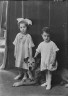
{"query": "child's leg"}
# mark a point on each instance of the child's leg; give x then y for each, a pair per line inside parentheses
(17, 77)
(20, 72)
(25, 76)
(30, 75)
(46, 75)
(48, 78)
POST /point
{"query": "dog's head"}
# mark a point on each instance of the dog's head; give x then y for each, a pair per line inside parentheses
(31, 63)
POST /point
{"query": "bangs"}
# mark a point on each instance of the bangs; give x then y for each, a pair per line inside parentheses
(22, 22)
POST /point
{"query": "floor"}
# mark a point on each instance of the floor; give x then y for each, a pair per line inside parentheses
(6, 89)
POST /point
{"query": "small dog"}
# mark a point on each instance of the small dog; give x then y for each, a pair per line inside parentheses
(31, 64)
(31, 67)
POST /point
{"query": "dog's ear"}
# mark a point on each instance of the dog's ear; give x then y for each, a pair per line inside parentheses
(37, 61)
(26, 59)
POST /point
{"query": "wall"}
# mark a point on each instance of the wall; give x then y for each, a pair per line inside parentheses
(58, 22)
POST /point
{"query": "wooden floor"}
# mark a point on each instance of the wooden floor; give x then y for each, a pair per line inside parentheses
(6, 89)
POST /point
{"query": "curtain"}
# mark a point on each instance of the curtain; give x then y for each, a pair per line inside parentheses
(14, 11)
(1, 10)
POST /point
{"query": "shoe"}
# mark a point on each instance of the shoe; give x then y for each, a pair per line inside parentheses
(48, 87)
(44, 84)
(2, 67)
(17, 77)
(66, 85)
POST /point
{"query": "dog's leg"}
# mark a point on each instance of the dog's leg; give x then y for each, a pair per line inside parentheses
(30, 75)
(16, 84)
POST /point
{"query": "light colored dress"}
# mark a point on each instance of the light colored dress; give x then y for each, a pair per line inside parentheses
(22, 44)
(47, 51)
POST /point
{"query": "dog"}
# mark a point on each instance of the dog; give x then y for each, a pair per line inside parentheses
(32, 66)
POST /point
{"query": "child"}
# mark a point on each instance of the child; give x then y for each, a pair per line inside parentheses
(48, 50)
(23, 47)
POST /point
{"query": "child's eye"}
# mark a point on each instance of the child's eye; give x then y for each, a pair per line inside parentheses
(44, 35)
(33, 62)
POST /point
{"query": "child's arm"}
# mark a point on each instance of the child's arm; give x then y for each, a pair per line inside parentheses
(54, 53)
(15, 44)
(30, 51)
(38, 50)
(53, 59)
(36, 54)
(31, 45)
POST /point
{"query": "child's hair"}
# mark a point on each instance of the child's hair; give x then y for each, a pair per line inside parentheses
(24, 23)
(47, 30)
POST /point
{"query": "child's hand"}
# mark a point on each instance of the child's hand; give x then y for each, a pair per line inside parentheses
(35, 57)
(53, 64)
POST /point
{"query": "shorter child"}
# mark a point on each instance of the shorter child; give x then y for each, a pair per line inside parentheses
(48, 50)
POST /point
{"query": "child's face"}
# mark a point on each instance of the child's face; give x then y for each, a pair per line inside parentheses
(23, 28)
(46, 37)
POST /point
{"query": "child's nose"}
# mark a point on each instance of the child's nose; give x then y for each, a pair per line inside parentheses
(23, 29)
(46, 36)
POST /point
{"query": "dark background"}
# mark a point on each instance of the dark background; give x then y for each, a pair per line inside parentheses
(42, 13)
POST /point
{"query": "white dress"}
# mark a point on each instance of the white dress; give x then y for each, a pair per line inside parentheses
(47, 51)
(22, 44)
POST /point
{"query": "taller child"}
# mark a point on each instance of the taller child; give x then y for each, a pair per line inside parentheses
(23, 46)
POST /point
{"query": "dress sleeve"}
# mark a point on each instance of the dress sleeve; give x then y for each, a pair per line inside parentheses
(55, 48)
(15, 41)
(31, 44)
